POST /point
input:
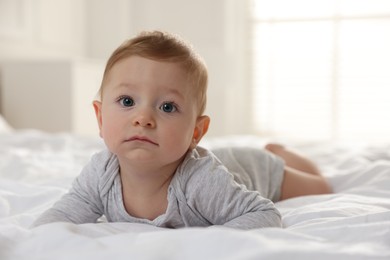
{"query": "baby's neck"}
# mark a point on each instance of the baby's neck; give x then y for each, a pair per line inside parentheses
(145, 193)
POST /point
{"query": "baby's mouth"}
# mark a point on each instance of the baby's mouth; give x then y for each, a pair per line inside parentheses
(141, 139)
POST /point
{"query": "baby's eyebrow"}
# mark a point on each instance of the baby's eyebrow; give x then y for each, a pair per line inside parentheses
(175, 92)
(166, 91)
(123, 85)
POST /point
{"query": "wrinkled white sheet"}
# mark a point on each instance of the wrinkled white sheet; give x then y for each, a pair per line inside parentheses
(353, 223)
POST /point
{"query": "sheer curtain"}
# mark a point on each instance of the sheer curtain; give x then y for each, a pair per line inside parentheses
(321, 69)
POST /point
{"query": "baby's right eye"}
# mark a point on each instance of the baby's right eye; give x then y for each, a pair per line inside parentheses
(126, 101)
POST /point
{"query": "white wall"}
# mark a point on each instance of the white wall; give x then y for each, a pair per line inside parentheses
(94, 28)
(42, 28)
(108, 23)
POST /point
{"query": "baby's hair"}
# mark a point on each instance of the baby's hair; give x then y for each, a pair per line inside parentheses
(162, 46)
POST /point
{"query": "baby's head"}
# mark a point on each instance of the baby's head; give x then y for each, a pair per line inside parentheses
(165, 47)
(154, 87)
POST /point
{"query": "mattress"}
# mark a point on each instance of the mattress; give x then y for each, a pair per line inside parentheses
(37, 168)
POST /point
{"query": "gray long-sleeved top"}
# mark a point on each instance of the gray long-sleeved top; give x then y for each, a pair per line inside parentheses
(202, 193)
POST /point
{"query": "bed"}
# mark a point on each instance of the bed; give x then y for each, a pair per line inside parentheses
(37, 168)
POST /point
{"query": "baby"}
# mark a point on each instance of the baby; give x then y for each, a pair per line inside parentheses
(151, 117)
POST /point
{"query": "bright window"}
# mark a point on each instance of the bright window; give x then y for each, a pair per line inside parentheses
(321, 69)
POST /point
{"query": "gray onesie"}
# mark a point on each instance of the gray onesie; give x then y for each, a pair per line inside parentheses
(203, 192)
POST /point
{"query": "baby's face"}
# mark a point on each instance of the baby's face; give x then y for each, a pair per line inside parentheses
(148, 111)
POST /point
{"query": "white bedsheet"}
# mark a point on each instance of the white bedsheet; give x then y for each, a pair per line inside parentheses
(353, 223)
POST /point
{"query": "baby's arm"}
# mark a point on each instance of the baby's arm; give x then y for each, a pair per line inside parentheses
(222, 201)
(80, 205)
(256, 211)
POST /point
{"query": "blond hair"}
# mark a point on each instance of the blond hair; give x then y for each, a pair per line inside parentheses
(162, 46)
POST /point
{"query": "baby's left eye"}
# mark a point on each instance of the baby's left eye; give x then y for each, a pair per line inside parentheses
(168, 107)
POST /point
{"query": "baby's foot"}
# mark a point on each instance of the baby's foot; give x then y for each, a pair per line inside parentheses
(274, 148)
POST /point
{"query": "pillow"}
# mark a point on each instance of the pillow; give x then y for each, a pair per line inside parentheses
(4, 126)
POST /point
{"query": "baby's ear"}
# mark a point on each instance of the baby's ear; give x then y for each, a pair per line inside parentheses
(201, 127)
(97, 105)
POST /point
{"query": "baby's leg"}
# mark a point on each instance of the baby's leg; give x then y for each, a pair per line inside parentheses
(293, 159)
(301, 176)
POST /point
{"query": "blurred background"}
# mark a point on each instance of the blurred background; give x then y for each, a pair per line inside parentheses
(296, 69)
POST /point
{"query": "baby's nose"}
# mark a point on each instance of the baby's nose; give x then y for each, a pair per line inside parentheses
(144, 118)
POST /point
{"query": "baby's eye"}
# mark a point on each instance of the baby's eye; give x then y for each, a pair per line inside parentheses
(126, 101)
(168, 107)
